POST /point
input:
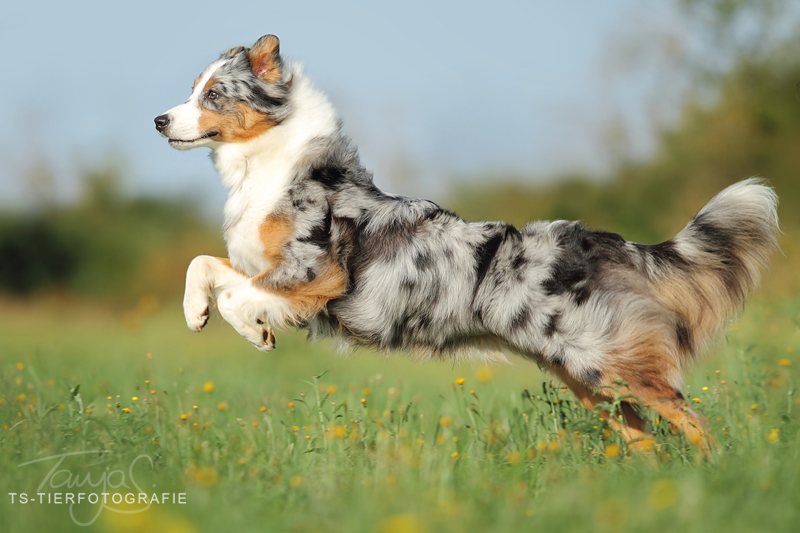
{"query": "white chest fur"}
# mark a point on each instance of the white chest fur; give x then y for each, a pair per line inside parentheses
(248, 206)
(257, 173)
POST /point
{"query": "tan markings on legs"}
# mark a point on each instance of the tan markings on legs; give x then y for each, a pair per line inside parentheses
(627, 423)
(655, 392)
(310, 298)
(692, 423)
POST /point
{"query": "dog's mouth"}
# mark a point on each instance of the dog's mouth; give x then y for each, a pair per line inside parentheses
(179, 142)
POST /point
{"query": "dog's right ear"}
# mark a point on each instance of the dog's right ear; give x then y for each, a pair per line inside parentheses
(265, 57)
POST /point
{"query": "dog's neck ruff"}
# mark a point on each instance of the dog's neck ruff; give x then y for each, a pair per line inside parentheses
(267, 157)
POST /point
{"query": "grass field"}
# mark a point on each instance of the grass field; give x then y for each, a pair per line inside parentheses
(303, 439)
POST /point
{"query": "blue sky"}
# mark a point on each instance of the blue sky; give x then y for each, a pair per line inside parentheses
(431, 91)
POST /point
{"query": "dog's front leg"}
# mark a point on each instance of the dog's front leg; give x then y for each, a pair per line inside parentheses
(206, 278)
(252, 311)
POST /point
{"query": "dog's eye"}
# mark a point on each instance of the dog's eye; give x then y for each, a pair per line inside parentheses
(212, 95)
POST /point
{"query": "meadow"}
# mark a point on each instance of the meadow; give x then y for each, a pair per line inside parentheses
(104, 389)
(307, 439)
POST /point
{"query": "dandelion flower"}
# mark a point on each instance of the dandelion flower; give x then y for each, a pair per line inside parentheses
(208, 387)
(460, 381)
(612, 450)
(697, 400)
(331, 389)
(484, 374)
(445, 421)
(772, 436)
(295, 481)
(20, 366)
(291, 405)
(784, 362)
(754, 406)
(184, 416)
(126, 410)
(135, 398)
(222, 406)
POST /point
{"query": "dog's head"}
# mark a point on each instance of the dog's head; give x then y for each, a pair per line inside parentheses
(238, 97)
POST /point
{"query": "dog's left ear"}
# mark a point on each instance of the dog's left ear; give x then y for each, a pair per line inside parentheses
(265, 57)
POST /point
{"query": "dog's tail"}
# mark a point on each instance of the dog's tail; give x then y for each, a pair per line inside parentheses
(705, 273)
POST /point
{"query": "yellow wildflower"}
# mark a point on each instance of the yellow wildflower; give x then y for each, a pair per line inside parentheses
(484, 374)
(773, 436)
(612, 450)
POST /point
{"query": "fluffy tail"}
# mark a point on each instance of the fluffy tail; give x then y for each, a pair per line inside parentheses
(705, 273)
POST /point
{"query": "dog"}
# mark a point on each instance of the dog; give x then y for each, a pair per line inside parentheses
(313, 243)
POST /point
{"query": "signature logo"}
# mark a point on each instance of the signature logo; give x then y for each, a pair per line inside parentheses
(104, 489)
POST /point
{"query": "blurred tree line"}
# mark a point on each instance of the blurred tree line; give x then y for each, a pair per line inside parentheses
(106, 245)
(750, 126)
(117, 247)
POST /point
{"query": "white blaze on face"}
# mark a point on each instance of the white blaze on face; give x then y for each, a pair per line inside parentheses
(185, 118)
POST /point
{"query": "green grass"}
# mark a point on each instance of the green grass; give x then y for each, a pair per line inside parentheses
(506, 450)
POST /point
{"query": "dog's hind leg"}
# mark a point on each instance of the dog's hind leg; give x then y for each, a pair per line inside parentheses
(627, 423)
(667, 401)
(680, 415)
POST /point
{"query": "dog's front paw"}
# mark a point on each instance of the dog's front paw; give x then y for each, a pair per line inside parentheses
(196, 311)
(268, 338)
(257, 333)
(261, 336)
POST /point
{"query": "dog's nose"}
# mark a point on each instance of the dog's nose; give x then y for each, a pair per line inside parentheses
(162, 121)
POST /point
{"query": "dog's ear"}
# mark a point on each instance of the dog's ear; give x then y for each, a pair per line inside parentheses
(265, 57)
